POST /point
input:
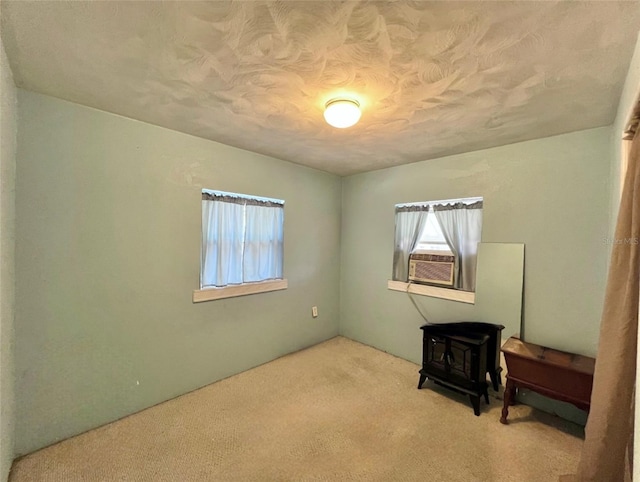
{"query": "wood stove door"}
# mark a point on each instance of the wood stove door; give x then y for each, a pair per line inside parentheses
(459, 358)
(436, 353)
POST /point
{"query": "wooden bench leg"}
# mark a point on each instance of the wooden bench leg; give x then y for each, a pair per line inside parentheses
(509, 396)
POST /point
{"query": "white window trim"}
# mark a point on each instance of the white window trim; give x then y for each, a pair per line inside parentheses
(433, 291)
(232, 291)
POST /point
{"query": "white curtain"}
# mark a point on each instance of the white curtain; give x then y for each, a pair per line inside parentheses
(222, 239)
(410, 222)
(462, 228)
(263, 242)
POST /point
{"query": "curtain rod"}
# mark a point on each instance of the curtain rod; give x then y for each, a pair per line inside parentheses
(245, 196)
(465, 200)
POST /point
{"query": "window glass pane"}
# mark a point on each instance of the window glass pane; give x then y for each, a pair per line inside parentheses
(433, 247)
(432, 238)
(432, 232)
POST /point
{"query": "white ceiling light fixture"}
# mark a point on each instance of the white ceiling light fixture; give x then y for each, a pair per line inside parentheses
(342, 113)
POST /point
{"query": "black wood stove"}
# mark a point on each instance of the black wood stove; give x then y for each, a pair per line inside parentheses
(459, 356)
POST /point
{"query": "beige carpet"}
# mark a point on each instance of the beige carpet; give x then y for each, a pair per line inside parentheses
(338, 411)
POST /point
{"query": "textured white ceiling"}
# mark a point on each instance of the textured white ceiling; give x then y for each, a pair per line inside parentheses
(433, 78)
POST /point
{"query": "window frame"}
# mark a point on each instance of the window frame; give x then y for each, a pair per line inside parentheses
(442, 292)
(232, 291)
(210, 293)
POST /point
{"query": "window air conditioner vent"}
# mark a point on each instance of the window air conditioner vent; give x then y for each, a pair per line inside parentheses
(432, 269)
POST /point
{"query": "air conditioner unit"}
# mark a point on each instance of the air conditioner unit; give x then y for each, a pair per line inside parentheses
(435, 269)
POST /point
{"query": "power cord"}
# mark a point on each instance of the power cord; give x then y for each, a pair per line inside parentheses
(415, 304)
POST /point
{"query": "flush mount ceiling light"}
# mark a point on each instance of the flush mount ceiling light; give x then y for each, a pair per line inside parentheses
(342, 113)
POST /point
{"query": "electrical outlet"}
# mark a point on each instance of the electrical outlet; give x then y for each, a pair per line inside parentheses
(314, 311)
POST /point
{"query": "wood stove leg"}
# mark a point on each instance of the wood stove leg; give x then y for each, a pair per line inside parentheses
(509, 393)
(495, 379)
(421, 381)
(475, 401)
(486, 395)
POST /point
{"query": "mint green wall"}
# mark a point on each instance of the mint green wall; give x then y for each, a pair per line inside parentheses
(108, 222)
(550, 194)
(8, 115)
(108, 218)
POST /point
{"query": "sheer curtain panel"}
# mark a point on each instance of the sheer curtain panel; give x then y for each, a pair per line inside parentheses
(462, 228)
(263, 244)
(222, 240)
(410, 221)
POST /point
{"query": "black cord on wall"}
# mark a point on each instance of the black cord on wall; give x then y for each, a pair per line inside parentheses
(416, 304)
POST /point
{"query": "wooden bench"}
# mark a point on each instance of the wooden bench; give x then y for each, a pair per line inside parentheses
(556, 374)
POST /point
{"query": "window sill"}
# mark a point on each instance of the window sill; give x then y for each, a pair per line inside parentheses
(210, 294)
(433, 291)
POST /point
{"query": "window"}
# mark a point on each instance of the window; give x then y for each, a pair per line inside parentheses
(242, 245)
(436, 242)
(432, 238)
